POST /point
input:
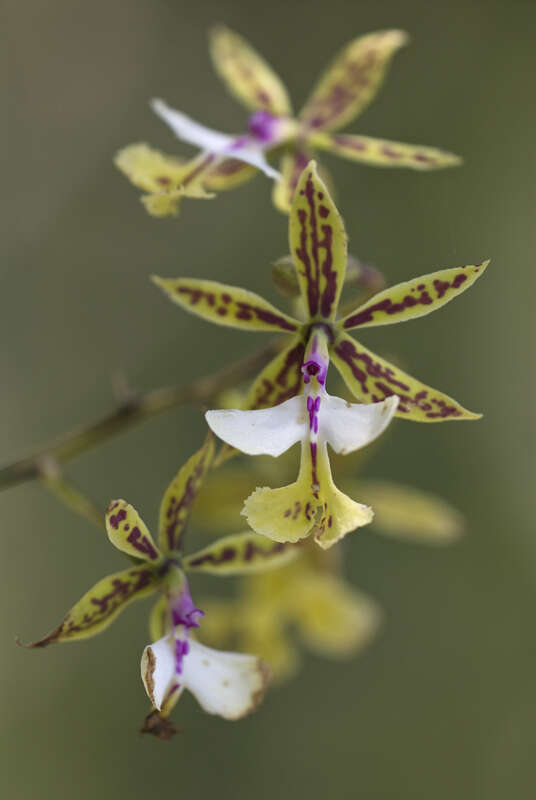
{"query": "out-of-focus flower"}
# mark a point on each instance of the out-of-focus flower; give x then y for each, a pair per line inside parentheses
(306, 602)
(342, 93)
(161, 568)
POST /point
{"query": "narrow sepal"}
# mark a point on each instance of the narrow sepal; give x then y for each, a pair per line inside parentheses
(281, 378)
(414, 298)
(292, 164)
(240, 554)
(371, 379)
(318, 245)
(103, 603)
(226, 305)
(352, 81)
(410, 514)
(180, 495)
(128, 532)
(246, 74)
(383, 152)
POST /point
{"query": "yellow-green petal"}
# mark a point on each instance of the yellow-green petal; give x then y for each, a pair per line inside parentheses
(383, 152)
(128, 532)
(371, 379)
(409, 514)
(280, 379)
(103, 603)
(332, 618)
(229, 174)
(352, 81)
(414, 298)
(226, 305)
(246, 74)
(180, 496)
(240, 554)
(292, 164)
(318, 245)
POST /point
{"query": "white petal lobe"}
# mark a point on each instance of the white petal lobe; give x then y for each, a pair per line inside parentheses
(158, 669)
(228, 684)
(349, 426)
(268, 431)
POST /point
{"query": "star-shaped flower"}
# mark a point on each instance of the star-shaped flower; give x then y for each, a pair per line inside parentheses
(319, 248)
(227, 684)
(342, 93)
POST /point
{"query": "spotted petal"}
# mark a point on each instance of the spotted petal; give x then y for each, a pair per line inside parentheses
(269, 430)
(371, 379)
(103, 603)
(180, 495)
(281, 378)
(382, 152)
(414, 298)
(226, 305)
(240, 554)
(128, 532)
(229, 174)
(246, 73)
(318, 245)
(353, 80)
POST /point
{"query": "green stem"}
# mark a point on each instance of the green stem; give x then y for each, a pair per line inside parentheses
(127, 415)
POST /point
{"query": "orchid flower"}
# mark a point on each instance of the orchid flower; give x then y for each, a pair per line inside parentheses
(304, 603)
(319, 250)
(341, 94)
(312, 503)
(161, 568)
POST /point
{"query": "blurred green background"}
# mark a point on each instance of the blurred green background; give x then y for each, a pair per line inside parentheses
(442, 705)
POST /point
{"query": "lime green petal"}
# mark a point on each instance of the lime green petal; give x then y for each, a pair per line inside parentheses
(383, 152)
(403, 512)
(240, 554)
(180, 496)
(414, 298)
(352, 81)
(333, 618)
(103, 603)
(246, 73)
(318, 245)
(371, 378)
(159, 619)
(128, 532)
(226, 305)
(149, 169)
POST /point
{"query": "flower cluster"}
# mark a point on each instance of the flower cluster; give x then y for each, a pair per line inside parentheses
(287, 554)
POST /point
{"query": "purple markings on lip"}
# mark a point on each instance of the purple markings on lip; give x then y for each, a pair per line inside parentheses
(313, 407)
(182, 648)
